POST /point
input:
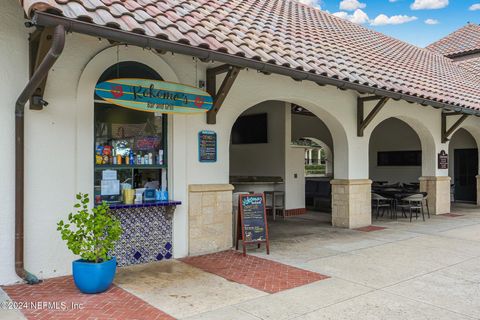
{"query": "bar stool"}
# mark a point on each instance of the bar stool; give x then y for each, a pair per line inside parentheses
(277, 202)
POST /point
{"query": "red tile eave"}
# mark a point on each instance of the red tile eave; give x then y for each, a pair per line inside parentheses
(285, 33)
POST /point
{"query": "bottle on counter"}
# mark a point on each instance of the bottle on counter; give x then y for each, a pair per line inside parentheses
(119, 159)
(132, 158)
(160, 157)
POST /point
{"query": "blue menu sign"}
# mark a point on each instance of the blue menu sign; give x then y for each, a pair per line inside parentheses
(207, 146)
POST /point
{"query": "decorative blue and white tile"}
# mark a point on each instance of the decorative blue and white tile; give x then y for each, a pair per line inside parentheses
(147, 235)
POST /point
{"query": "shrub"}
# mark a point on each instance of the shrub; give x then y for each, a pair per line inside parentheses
(91, 234)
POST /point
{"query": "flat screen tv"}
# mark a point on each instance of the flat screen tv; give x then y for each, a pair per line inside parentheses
(399, 158)
(250, 129)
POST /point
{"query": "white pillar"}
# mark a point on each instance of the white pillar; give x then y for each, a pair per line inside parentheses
(351, 196)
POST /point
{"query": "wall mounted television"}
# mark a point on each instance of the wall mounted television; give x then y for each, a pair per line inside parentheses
(250, 129)
(399, 158)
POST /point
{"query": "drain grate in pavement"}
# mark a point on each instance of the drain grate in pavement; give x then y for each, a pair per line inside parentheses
(258, 273)
(370, 228)
(59, 299)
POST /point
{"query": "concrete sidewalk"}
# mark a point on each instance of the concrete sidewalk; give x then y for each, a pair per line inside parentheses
(418, 270)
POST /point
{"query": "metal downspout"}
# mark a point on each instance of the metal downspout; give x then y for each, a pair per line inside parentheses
(58, 42)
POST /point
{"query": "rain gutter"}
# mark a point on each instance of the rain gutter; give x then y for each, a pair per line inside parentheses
(71, 25)
(58, 42)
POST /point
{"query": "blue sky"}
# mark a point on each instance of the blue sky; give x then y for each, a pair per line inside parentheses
(419, 22)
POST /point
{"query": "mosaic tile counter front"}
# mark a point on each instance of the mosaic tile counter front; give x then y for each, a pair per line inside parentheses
(147, 234)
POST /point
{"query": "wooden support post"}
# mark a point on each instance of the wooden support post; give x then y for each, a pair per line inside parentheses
(362, 123)
(219, 97)
(446, 133)
(40, 42)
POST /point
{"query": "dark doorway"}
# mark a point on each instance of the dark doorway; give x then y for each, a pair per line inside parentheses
(465, 172)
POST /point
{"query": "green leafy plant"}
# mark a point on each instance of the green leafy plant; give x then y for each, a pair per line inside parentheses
(91, 234)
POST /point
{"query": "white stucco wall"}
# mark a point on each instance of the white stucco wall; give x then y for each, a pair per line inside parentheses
(393, 135)
(262, 159)
(59, 139)
(307, 126)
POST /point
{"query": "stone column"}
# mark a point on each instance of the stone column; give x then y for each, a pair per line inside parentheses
(210, 218)
(438, 189)
(351, 203)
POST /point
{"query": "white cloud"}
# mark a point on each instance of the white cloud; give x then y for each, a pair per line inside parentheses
(383, 19)
(428, 4)
(474, 7)
(312, 3)
(351, 5)
(431, 21)
(358, 16)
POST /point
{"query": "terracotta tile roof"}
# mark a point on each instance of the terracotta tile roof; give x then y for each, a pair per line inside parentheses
(285, 33)
(461, 42)
(472, 65)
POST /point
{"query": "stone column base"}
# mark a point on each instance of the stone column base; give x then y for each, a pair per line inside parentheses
(438, 189)
(209, 218)
(351, 203)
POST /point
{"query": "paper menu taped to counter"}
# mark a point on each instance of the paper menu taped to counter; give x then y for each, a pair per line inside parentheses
(110, 187)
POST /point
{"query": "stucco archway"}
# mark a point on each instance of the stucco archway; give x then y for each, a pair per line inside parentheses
(463, 166)
(85, 129)
(425, 135)
(234, 109)
(328, 154)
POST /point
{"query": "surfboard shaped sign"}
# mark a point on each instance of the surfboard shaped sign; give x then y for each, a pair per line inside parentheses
(154, 96)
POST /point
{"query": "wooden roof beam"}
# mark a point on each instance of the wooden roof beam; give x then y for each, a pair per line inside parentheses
(362, 123)
(446, 133)
(220, 96)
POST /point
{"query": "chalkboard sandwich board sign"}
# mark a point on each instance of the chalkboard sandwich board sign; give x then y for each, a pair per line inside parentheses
(252, 224)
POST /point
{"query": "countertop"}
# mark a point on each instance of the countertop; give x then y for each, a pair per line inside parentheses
(169, 203)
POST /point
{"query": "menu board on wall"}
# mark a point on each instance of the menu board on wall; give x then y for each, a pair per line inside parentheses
(252, 221)
(207, 146)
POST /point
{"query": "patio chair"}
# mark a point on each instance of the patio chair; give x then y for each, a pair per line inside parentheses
(413, 203)
(379, 201)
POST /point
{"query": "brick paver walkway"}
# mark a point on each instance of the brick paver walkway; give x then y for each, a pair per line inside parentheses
(370, 228)
(452, 215)
(60, 300)
(258, 273)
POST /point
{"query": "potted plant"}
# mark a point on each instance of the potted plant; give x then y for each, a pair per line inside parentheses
(91, 234)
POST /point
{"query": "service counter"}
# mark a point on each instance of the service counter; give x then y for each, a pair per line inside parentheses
(147, 232)
(257, 184)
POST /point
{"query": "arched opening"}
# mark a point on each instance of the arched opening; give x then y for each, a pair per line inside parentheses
(317, 154)
(463, 166)
(131, 143)
(268, 148)
(395, 154)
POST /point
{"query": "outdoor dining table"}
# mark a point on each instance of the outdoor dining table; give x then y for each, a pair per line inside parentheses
(396, 194)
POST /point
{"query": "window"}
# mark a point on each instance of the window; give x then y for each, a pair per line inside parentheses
(130, 145)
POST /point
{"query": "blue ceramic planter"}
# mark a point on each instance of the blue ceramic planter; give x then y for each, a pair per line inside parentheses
(93, 277)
